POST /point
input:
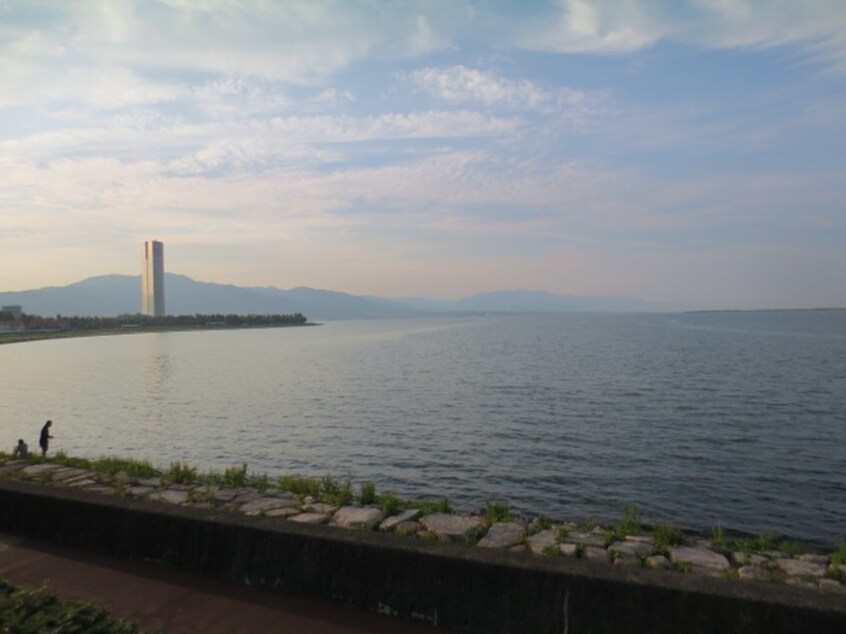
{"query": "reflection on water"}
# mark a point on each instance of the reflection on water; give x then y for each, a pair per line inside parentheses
(155, 371)
(697, 419)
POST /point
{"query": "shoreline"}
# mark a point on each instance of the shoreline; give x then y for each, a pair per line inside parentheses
(335, 502)
(23, 337)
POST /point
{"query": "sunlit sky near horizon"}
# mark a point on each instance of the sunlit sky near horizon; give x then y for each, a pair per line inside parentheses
(671, 150)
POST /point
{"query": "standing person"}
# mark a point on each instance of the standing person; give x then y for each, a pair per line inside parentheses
(44, 441)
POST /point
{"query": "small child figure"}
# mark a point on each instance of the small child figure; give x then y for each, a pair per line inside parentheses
(22, 449)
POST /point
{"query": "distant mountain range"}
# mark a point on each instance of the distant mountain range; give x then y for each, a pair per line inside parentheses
(111, 295)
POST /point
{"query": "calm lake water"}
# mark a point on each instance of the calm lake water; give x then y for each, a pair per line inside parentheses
(735, 419)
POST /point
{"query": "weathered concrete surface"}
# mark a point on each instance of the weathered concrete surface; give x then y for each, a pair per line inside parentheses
(474, 590)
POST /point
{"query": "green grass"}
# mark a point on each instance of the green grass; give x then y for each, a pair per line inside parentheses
(587, 525)
(336, 492)
(629, 524)
(683, 566)
(540, 523)
(838, 558)
(771, 573)
(761, 543)
(391, 504)
(63, 459)
(430, 507)
(367, 493)
(791, 549)
(39, 611)
(764, 543)
(133, 468)
(718, 539)
(496, 512)
(299, 485)
(664, 536)
(235, 477)
(202, 496)
(561, 533)
(181, 473)
(477, 533)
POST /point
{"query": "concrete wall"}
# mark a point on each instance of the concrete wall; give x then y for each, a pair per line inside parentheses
(462, 588)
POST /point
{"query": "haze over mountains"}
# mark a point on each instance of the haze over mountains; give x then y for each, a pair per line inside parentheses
(111, 295)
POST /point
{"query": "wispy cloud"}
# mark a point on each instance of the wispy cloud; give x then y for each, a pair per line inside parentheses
(460, 84)
(610, 27)
(624, 139)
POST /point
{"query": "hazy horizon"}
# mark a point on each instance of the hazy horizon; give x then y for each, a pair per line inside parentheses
(682, 152)
(660, 306)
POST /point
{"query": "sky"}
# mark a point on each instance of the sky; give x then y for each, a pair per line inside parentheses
(686, 151)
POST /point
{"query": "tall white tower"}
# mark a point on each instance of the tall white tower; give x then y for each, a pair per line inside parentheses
(152, 280)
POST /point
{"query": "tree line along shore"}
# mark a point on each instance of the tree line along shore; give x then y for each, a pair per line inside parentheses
(25, 327)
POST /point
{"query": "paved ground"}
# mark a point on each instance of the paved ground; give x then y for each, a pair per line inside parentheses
(157, 596)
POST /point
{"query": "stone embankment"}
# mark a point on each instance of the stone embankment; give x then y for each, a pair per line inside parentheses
(627, 544)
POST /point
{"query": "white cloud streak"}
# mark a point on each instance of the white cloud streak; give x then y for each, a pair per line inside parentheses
(211, 121)
(620, 26)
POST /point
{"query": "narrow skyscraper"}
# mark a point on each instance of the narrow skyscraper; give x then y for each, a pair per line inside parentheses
(152, 280)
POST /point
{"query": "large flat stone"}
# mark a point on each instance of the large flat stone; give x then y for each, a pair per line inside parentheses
(140, 491)
(283, 512)
(749, 573)
(657, 561)
(451, 528)
(699, 557)
(40, 469)
(503, 535)
(358, 517)
(310, 518)
(172, 496)
(73, 480)
(66, 473)
(815, 558)
(748, 559)
(246, 495)
(395, 520)
(539, 542)
(568, 550)
(262, 505)
(99, 488)
(631, 548)
(407, 529)
(595, 553)
(799, 568)
(81, 482)
(586, 539)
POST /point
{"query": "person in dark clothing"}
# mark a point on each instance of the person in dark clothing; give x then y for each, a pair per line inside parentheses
(44, 441)
(21, 450)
